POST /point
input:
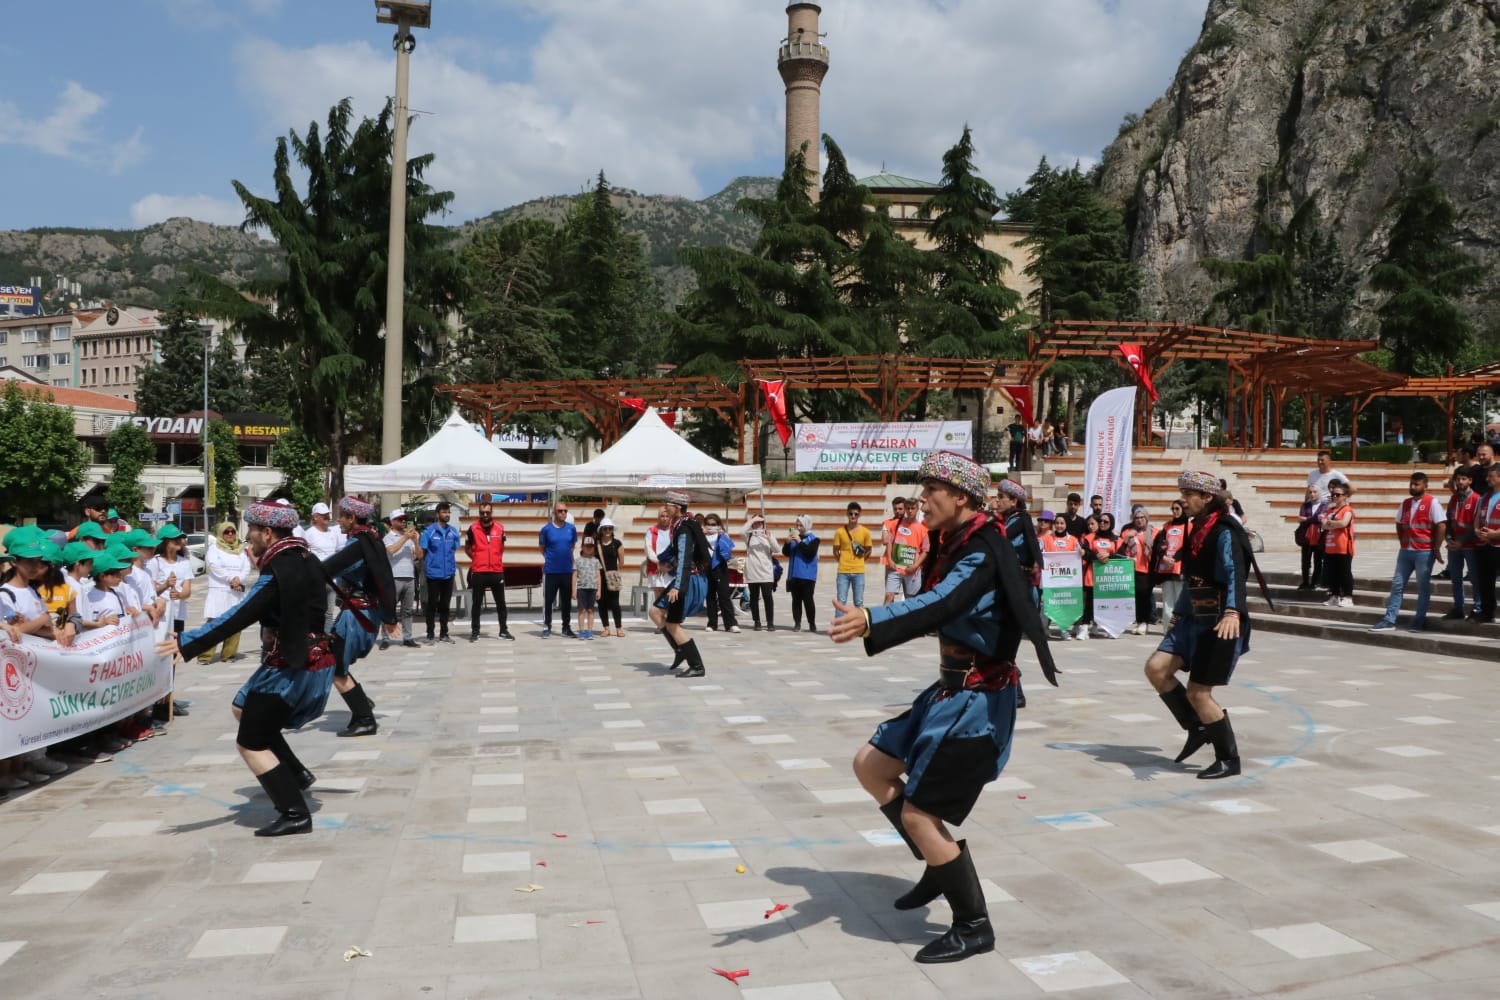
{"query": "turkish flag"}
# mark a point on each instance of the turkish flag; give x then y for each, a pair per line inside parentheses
(1135, 357)
(775, 391)
(1021, 396)
(637, 408)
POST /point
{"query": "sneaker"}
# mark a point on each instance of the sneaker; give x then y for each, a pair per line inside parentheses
(429, 640)
(505, 634)
(35, 777)
(755, 627)
(1416, 628)
(46, 765)
(474, 636)
(411, 643)
(713, 628)
(546, 633)
(568, 633)
(13, 782)
(1332, 602)
(445, 638)
(1383, 626)
(1454, 616)
(770, 627)
(385, 644)
(1346, 602)
(735, 629)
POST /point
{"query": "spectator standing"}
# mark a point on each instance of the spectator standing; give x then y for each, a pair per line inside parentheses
(1421, 523)
(1309, 539)
(1136, 542)
(760, 571)
(1487, 556)
(719, 601)
(906, 548)
(658, 542)
(612, 582)
(1016, 431)
(1323, 476)
(227, 567)
(1337, 528)
(172, 573)
(1462, 541)
(801, 550)
(1077, 524)
(402, 545)
(587, 569)
(484, 544)
(440, 543)
(1166, 556)
(851, 543)
(556, 540)
(325, 539)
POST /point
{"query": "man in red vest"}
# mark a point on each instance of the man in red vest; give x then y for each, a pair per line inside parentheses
(484, 544)
(1421, 523)
(1463, 542)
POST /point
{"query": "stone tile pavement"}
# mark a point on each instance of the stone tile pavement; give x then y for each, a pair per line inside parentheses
(554, 818)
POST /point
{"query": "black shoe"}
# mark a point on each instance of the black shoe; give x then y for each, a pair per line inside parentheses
(474, 636)
(281, 785)
(505, 634)
(770, 627)
(429, 639)
(568, 633)
(411, 643)
(697, 671)
(796, 626)
(1182, 710)
(384, 644)
(1226, 751)
(757, 626)
(360, 727)
(971, 933)
(445, 638)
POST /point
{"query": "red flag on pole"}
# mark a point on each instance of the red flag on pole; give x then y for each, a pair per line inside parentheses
(637, 406)
(1135, 357)
(775, 391)
(1021, 396)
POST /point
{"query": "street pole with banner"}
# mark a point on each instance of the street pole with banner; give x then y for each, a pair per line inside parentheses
(1107, 451)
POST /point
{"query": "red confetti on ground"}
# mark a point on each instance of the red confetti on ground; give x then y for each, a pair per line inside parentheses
(590, 923)
(541, 864)
(775, 909)
(733, 977)
(1020, 796)
(560, 836)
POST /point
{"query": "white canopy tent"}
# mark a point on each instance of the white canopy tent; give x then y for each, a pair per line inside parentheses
(457, 459)
(651, 459)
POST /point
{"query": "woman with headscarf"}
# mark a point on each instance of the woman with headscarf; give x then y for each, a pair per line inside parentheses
(801, 550)
(228, 566)
(760, 570)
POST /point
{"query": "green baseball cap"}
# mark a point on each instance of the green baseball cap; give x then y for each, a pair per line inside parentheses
(76, 552)
(123, 552)
(138, 538)
(112, 513)
(26, 533)
(88, 529)
(168, 531)
(25, 548)
(109, 560)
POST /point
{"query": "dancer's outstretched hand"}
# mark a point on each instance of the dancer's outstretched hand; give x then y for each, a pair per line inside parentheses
(850, 623)
(167, 649)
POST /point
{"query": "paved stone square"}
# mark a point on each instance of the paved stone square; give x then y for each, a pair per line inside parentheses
(555, 818)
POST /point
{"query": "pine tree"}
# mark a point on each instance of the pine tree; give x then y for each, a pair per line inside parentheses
(1422, 273)
(174, 385)
(1080, 260)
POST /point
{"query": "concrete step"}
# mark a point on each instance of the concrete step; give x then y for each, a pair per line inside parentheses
(1483, 646)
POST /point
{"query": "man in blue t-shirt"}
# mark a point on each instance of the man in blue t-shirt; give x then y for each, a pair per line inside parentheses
(556, 540)
(439, 543)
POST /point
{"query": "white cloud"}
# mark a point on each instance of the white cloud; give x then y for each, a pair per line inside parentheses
(669, 102)
(156, 208)
(68, 132)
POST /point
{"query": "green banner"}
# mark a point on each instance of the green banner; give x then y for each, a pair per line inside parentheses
(1062, 588)
(1114, 596)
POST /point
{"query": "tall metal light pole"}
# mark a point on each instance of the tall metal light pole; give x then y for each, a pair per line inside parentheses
(405, 15)
(208, 448)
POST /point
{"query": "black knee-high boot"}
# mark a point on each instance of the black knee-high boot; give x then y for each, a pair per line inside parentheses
(927, 888)
(678, 656)
(694, 660)
(971, 933)
(305, 778)
(361, 713)
(280, 783)
(892, 812)
(1182, 710)
(1226, 751)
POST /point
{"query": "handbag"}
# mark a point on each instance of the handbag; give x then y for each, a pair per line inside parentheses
(612, 580)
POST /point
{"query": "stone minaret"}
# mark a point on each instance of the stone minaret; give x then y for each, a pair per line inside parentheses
(803, 62)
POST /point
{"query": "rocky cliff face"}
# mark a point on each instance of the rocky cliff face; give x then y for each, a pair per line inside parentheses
(1280, 101)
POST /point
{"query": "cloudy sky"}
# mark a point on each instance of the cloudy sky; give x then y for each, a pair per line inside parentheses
(121, 113)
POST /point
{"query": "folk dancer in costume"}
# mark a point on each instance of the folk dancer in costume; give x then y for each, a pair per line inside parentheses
(362, 570)
(956, 737)
(687, 588)
(290, 688)
(1210, 624)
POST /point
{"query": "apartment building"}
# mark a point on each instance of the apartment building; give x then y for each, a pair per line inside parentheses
(43, 347)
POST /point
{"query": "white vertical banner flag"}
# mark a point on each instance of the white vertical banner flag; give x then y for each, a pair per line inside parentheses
(1107, 451)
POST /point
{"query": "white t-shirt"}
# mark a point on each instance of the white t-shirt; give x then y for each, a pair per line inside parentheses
(99, 602)
(21, 600)
(403, 565)
(139, 581)
(182, 569)
(1322, 479)
(325, 544)
(663, 544)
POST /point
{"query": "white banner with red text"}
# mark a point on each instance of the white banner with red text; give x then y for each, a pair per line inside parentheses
(50, 693)
(879, 447)
(1107, 452)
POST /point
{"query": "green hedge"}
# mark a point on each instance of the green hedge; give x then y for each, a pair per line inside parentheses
(1398, 454)
(1433, 451)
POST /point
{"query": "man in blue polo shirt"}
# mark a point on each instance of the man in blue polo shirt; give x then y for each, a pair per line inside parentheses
(439, 543)
(556, 540)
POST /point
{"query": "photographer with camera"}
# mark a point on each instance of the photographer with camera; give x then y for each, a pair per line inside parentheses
(851, 543)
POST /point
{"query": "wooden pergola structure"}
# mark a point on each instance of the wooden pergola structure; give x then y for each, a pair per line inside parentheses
(598, 400)
(1250, 359)
(1448, 391)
